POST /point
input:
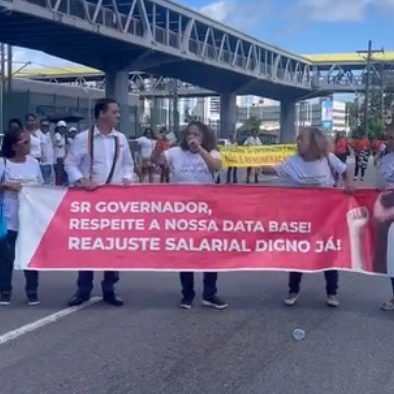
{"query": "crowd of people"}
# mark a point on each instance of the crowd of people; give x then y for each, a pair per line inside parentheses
(101, 155)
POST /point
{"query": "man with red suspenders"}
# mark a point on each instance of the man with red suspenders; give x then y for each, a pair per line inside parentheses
(100, 156)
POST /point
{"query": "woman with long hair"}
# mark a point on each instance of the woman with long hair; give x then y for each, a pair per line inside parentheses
(313, 166)
(195, 161)
(17, 167)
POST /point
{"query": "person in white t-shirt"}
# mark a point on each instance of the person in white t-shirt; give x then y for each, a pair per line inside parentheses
(47, 151)
(60, 144)
(195, 161)
(35, 141)
(313, 166)
(17, 167)
(253, 140)
(147, 144)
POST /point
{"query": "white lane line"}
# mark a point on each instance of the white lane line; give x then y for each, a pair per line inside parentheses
(11, 335)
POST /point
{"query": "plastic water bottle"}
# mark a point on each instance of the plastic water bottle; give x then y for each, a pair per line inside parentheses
(299, 334)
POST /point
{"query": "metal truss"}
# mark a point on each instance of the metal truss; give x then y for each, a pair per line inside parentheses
(142, 85)
(352, 78)
(165, 27)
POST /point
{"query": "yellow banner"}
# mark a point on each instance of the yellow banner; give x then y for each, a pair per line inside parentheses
(255, 156)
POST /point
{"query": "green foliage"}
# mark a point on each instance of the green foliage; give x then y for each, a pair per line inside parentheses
(250, 124)
(380, 114)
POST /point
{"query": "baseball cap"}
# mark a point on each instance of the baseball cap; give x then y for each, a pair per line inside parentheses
(61, 123)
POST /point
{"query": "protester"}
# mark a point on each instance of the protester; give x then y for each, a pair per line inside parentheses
(14, 124)
(341, 148)
(17, 167)
(195, 161)
(162, 145)
(253, 140)
(60, 152)
(386, 171)
(313, 166)
(147, 144)
(35, 141)
(47, 151)
(231, 174)
(85, 170)
(362, 151)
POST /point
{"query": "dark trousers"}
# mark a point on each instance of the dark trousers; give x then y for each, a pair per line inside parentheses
(331, 278)
(85, 281)
(249, 173)
(342, 157)
(359, 167)
(164, 174)
(231, 171)
(7, 250)
(187, 282)
(392, 284)
(60, 173)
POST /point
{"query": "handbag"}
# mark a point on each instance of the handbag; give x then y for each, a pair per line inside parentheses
(3, 222)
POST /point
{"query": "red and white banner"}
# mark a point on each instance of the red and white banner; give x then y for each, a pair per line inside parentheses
(202, 228)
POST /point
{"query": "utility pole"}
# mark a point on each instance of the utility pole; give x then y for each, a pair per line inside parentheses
(368, 55)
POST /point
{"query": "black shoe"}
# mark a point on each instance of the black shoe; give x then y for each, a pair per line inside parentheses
(111, 299)
(214, 302)
(78, 299)
(186, 303)
(5, 299)
(32, 299)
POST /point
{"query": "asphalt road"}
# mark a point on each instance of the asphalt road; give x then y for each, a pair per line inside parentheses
(151, 347)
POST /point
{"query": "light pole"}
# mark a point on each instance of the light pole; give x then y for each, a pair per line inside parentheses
(368, 54)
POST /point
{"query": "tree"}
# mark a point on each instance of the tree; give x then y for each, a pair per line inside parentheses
(380, 113)
(250, 124)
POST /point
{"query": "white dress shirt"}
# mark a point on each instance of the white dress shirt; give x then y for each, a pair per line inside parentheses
(78, 160)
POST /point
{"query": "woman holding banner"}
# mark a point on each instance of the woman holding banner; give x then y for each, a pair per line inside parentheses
(313, 166)
(17, 167)
(195, 161)
(384, 216)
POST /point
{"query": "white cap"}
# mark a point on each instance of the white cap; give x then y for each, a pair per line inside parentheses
(73, 129)
(61, 123)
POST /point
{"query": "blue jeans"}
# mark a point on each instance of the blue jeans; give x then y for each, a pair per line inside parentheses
(7, 257)
(187, 282)
(46, 171)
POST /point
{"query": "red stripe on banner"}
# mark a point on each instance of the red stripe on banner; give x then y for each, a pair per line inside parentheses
(170, 227)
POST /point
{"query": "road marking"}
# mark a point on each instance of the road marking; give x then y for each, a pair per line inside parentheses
(14, 334)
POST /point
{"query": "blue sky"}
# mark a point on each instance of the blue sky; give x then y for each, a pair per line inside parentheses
(302, 26)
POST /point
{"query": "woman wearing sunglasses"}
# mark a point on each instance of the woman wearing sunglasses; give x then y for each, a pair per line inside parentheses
(17, 167)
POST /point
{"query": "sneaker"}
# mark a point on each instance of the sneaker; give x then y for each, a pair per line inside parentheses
(5, 299)
(214, 302)
(291, 299)
(332, 300)
(186, 303)
(387, 306)
(32, 299)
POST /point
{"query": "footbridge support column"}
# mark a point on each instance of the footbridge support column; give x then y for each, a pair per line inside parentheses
(117, 88)
(228, 115)
(288, 132)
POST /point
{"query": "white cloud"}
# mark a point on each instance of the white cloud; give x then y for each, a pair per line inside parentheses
(242, 15)
(28, 59)
(336, 11)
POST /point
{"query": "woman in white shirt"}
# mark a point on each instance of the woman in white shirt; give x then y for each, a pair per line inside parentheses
(147, 145)
(17, 167)
(196, 161)
(313, 166)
